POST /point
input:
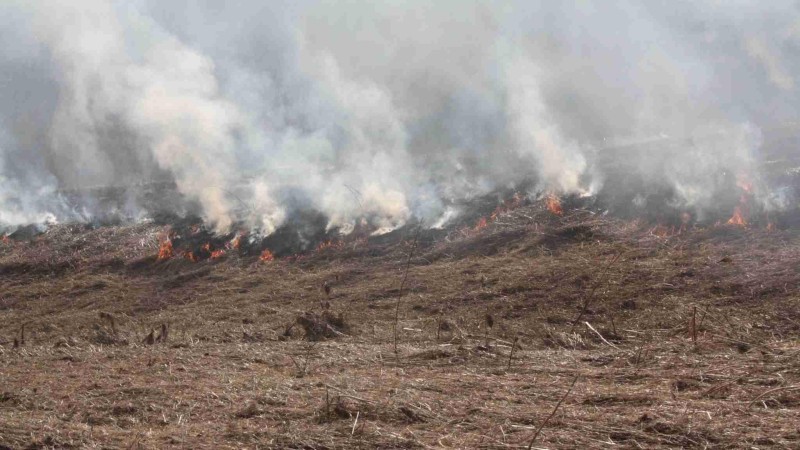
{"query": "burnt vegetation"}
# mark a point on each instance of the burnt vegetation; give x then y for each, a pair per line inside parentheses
(525, 323)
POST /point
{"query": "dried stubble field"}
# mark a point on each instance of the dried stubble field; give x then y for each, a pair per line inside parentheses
(689, 340)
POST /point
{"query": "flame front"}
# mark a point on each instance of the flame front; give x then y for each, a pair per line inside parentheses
(737, 218)
(507, 206)
(741, 210)
(330, 244)
(236, 242)
(554, 204)
(266, 256)
(166, 251)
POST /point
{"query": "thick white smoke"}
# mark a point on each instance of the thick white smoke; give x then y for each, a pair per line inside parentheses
(384, 110)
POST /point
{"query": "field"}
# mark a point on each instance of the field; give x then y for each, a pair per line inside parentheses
(541, 330)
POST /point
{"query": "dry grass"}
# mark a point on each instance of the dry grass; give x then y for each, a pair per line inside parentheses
(239, 370)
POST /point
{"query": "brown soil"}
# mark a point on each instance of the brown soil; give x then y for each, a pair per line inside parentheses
(694, 340)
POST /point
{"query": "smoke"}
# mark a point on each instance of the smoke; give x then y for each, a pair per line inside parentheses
(384, 111)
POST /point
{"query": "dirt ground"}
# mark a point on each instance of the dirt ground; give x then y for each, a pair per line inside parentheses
(571, 331)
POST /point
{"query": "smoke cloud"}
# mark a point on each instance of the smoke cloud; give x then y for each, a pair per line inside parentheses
(389, 110)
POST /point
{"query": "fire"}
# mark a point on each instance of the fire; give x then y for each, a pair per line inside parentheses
(507, 206)
(482, 223)
(554, 204)
(266, 256)
(190, 256)
(741, 211)
(330, 244)
(217, 254)
(6, 239)
(165, 251)
(236, 242)
(737, 218)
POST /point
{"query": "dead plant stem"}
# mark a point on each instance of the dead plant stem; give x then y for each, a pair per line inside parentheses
(553, 413)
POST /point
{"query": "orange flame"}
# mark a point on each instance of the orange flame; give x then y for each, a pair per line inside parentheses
(508, 205)
(737, 218)
(165, 251)
(330, 244)
(236, 242)
(217, 254)
(741, 210)
(190, 256)
(554, 204)
(266, 256)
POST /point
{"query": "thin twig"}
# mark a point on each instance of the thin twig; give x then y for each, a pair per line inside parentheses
(511, 354)
(352, 432)
(327, 404)
(772, 391)
(539, 430)
(600, 336)
(702, 318)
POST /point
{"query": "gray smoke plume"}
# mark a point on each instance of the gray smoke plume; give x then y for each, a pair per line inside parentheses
(385, 110)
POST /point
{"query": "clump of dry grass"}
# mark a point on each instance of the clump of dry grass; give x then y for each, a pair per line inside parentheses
(323, 326)
(564, 339)
(105, 335)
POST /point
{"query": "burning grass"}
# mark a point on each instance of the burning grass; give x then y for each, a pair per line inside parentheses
(680, 339)
(266, 256)
(165, 251)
